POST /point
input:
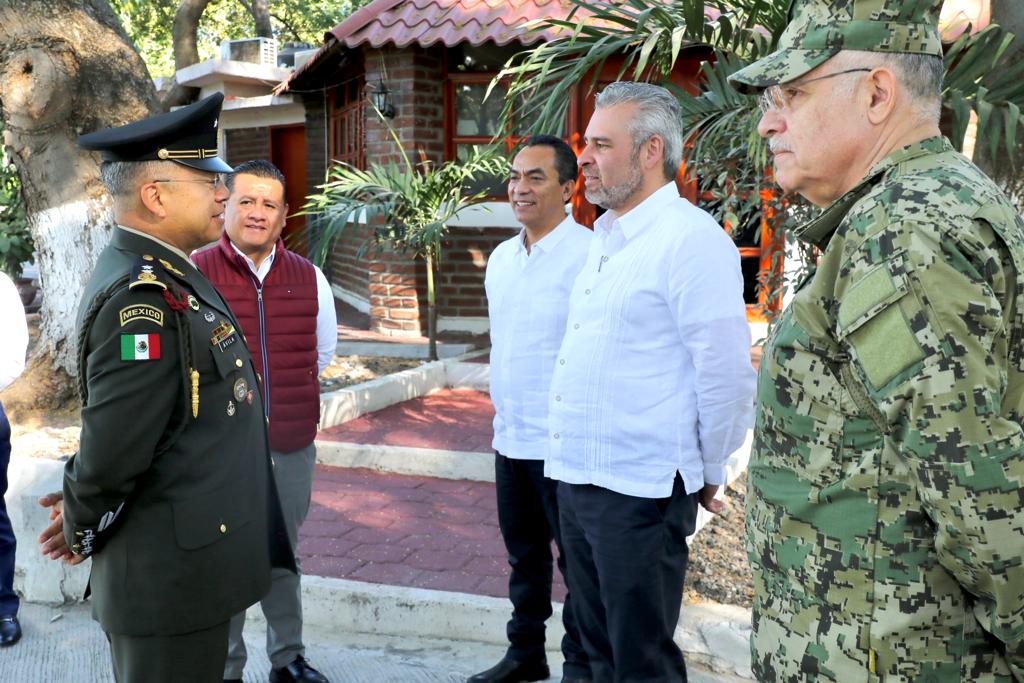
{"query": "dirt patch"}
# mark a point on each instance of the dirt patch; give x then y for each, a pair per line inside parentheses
(348, 370)
(718, 568)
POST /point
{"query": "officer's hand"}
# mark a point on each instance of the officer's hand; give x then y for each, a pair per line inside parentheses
(707, 499)
(52, 539)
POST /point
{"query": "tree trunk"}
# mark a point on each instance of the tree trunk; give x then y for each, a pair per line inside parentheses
(261, 17)
(431, 306)
(65, 68)
(184, 37)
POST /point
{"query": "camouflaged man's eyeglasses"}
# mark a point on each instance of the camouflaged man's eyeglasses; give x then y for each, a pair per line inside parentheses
(778, 98)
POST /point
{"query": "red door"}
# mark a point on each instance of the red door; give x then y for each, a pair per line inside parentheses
(288, 153)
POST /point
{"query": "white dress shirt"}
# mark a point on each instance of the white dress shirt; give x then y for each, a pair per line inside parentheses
(653, 375)
(326, 317)
(527, 302)
(14, 340)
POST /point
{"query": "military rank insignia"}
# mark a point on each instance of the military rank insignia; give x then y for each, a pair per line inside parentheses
(140, 347)
(224, 336)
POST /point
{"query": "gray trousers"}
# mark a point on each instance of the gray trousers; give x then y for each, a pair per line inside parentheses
(282, 606)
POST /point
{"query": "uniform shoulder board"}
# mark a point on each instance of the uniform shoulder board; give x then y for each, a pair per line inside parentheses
(147, 271)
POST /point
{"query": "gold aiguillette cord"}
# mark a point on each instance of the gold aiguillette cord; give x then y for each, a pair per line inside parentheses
(195, 392)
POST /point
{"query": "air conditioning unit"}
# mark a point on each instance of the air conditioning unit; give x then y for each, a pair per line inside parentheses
(252, 50)
(303, 56)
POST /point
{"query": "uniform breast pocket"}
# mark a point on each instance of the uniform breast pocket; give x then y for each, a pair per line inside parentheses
(205, 519)
(227, 361)
(801, 404)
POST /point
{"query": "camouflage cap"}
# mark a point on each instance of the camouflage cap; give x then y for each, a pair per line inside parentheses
(818, 29)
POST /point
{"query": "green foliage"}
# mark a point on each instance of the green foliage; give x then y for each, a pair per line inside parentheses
(15, 240)
(725, 154)
(148, 23)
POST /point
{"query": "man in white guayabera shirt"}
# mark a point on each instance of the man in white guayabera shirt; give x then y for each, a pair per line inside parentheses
(652, 389)
(528, 281)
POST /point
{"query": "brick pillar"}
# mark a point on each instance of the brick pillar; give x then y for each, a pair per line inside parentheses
(395, 296)
(415, 76)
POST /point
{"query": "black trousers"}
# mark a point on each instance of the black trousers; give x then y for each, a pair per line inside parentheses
(8, 598)
(528, 518)
(627, 561)
(196, 657)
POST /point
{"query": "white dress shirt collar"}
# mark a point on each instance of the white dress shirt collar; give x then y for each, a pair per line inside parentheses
(550, 241)
(641, 216)
(264, 267)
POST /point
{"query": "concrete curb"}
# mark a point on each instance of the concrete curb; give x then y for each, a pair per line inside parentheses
(418, 462)
(710, 635)
(38, 578)
(349, 403)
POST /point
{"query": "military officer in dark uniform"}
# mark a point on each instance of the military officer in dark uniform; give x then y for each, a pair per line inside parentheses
(171, 492)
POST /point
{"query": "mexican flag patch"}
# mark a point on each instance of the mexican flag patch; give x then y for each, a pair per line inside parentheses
(140, 346)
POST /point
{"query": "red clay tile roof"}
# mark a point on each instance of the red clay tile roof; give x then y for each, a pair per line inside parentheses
(425, 22)
(451, 22)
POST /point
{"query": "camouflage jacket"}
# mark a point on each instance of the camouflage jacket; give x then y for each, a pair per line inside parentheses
(885, 520)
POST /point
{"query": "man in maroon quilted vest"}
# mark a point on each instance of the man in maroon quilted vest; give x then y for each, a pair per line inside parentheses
(286, 309)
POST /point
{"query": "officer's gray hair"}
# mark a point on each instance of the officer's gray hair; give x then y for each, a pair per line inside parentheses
(123, 178)
(920, 75)
(657, 113)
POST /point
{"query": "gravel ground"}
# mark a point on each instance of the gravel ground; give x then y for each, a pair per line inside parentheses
(718, 568)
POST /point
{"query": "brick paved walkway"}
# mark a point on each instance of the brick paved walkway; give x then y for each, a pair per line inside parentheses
(450, 419)
(406, 531)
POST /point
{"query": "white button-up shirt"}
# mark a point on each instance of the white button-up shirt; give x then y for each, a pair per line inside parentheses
(653, 375)
(326, 316)
(527, 302)
(14, 340)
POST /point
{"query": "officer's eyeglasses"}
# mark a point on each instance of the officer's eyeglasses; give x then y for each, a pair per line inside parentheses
(780, 97)
(214, 182)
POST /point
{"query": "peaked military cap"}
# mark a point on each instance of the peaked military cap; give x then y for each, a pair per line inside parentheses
(818, 29)
(187, 135)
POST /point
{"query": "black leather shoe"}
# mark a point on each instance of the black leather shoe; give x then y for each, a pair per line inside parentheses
(509, 670)
(299, 671)
(10, 630)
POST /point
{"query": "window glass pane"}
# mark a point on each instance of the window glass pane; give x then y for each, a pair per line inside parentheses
(750, 266)
(474, 116)
(494, 186)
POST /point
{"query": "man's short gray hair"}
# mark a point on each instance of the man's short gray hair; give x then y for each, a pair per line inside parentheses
(657, 113)
(123, 178)
(920, 76)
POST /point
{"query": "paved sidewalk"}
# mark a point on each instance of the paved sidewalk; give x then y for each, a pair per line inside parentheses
(65, 644)
(450, 419)
(418, 532)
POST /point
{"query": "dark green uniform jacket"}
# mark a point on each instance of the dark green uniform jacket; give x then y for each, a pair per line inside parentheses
(177, 510)
(885, 519)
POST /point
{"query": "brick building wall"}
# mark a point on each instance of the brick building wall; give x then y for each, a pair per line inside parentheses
(464, 262)
(246, 144)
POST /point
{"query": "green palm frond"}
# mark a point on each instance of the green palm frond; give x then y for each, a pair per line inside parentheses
(978, 79)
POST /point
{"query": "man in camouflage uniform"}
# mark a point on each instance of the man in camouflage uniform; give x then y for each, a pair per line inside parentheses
(885, 522)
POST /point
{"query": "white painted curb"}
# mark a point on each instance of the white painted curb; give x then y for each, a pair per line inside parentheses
(417, 462)
(711, 635)
(38, 578)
